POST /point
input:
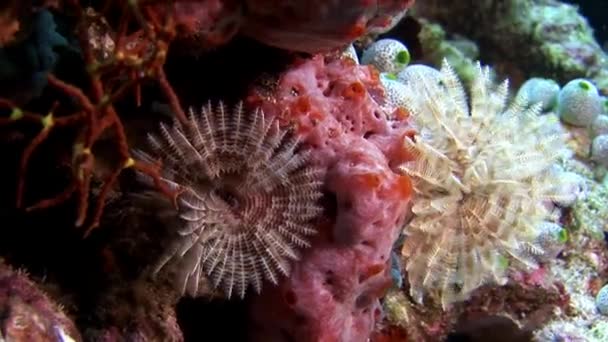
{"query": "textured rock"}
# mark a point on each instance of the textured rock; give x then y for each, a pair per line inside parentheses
(298, 25)
(546, 38)
(28, 314)
(319, 25)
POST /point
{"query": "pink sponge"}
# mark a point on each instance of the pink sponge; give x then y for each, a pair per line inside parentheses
(332, 293)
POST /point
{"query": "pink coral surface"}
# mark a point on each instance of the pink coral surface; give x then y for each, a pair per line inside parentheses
(332, 293)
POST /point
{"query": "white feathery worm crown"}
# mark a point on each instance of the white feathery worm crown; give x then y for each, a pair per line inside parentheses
(248, 202)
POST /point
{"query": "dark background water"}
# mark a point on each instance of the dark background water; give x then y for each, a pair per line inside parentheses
(596, 12)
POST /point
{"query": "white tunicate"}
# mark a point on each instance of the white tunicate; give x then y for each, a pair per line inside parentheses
(540, 90)
(406, 75)
(579, 103)
(551, 238)
(387, 55)
(570, 187)
(394, 92)
(601, 300)
(599, 126)
(599, 149)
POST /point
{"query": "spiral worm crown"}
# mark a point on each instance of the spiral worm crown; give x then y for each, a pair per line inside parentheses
(248, 198)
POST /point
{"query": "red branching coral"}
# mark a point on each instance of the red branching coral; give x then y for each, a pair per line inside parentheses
(332, 293)
(247, 199)
(136, 57)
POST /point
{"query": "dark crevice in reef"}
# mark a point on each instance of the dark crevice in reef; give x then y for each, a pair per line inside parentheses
(595, 11)
(489, 328)
(407, 32)
(204, 320)
(225, 73)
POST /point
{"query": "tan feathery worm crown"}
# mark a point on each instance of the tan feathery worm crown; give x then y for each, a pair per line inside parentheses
(248, 201)
(482, 179)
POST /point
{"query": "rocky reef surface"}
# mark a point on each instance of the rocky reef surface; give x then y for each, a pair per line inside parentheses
(303, 171)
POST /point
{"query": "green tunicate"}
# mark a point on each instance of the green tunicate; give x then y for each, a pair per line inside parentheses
(562, 236)
(387, 55)
(584, 85)
(579, 103)
(403, 57)
(390, 76)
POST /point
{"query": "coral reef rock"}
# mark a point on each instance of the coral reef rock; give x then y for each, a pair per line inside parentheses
(28, 314)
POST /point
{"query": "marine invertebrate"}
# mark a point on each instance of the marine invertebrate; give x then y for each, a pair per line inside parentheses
(412, 70)
(601, 300)
(543, 90)
(599, 149)
(388, 55)
(333, 292)
(248, 198)
(393, 91)
(551, 238)
(483, 181)
(599, 126)
(579, 103)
